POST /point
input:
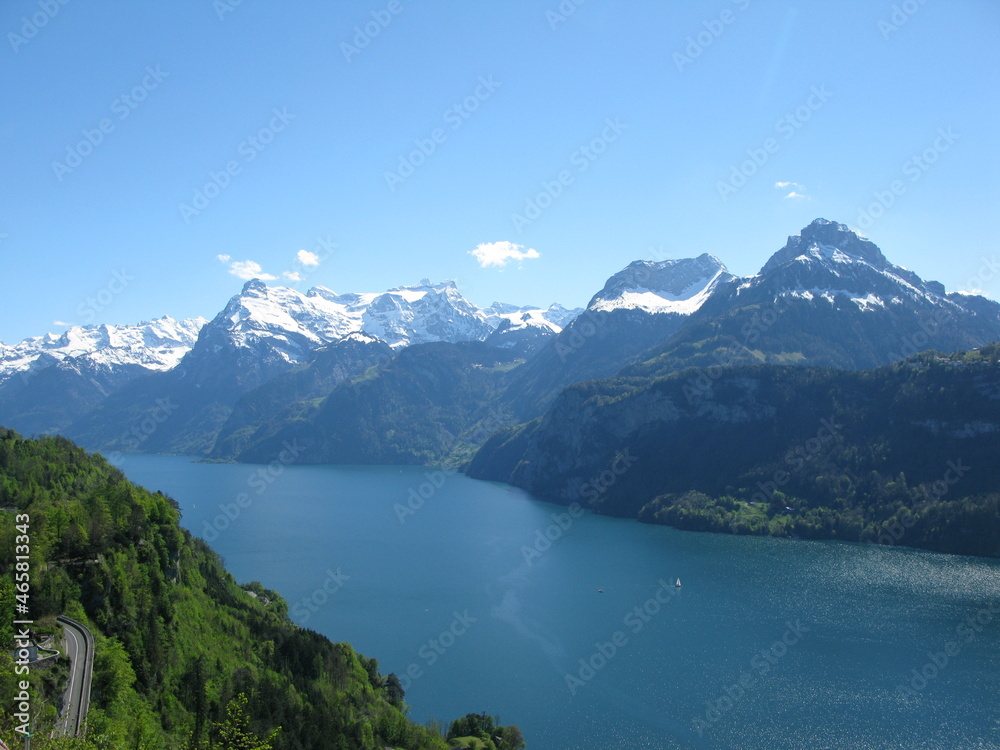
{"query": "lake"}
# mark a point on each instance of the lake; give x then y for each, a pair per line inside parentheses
(483, 598)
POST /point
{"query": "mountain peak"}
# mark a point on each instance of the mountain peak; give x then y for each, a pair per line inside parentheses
(428, 284)
(290, 324)
(321, 291)
(668, 286)
(254, 287)
(447, 286)
(829, 260)
(157, 344)
(828, 242)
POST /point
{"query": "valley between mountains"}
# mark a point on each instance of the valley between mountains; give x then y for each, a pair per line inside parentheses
(831, 395)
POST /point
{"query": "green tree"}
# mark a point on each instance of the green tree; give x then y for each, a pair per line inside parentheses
(394, 690)
(509, 738)
(234, 732)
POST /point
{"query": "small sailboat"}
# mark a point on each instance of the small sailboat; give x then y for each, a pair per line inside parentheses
(678, 584)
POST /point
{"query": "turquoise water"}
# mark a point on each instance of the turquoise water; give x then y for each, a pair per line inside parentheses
(769, 644)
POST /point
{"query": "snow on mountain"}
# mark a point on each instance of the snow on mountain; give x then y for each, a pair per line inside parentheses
(293, 324)
(289, 323)
(154, 345)
(551, 319)
(828, 260)
(422, 314)
(523, 329)
(562, 316)
(836, 300)
(670, 286)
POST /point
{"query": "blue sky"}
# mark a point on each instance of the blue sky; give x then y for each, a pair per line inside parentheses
(630, 123)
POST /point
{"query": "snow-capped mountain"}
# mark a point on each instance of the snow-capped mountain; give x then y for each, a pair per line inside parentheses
(553, 318)
(261, 335)
(637, 308)
(422, 314)
(524, 329)
(291, 325)
(273, 356)
(829, 263)
(49, 381)
(828, 260)
(828, 297)
(669, 286)
(155, 345)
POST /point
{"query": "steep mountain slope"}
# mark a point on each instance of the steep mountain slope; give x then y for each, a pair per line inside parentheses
(782, 450)
(289, 397)
(172, 387)
(524, 330)
(291, 324)
(698, 419)
(177, 641)
(421, 405)
(262, 333)
(268, 361)
(153, 345)
(428, 403)
(828, 297)
(49, 381)
(637, 308)
(183, 410)
(679, 287)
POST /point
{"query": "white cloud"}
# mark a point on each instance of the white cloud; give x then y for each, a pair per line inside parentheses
(307, 258)
(797, 192)
(246, 269)
(499, 254)
(292, 275)
(61, 323)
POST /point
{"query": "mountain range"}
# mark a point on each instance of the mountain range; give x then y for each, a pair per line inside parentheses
(419, 374)
(828, 297)
(92, 380)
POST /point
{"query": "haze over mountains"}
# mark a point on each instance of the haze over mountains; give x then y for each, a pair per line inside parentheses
(262, 332)
(156, 345)
(420, 374)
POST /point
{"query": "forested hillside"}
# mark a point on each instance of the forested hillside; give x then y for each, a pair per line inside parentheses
(185, 657)
(429, 403)
(902, 454)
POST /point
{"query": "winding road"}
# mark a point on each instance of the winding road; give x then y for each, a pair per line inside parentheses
(76, 699)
